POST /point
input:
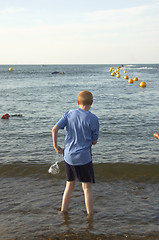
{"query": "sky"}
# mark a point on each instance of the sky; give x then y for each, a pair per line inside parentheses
(79, 32)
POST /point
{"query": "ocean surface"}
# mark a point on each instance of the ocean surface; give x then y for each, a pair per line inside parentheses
(126, 158)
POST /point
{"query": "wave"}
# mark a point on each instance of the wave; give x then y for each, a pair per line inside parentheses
(145, 68)
(141, 68)
(103, 171)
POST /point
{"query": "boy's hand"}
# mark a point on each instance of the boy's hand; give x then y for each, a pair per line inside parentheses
(94, 142)
(59, 150)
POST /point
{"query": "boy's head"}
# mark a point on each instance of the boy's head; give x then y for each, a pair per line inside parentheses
(85, 98)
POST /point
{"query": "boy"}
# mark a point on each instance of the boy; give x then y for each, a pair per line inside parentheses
(82, 130)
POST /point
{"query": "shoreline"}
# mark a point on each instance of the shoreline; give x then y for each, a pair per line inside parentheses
(85, 235)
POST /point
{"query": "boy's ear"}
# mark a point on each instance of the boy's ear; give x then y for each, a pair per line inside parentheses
(78, 102)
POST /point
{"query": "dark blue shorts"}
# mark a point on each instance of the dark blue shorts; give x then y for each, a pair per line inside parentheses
(83, 173)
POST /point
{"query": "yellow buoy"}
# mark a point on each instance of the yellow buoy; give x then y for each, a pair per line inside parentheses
(110, 70)
(126, 77)
(118, 75)
(125, 71)
(113, 73)
(10, 69)
(130, 80)
(136, 79)
(142, 84)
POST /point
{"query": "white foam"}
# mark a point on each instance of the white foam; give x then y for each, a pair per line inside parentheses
(145, 68)
(139, 67)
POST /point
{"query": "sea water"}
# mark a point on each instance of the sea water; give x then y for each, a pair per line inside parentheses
(125, 159)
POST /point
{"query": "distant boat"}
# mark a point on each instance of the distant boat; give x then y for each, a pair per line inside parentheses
(57, 72)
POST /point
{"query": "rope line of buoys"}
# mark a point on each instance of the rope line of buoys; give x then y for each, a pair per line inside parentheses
(116, 72)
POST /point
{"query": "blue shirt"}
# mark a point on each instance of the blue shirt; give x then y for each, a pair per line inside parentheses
(82, 127)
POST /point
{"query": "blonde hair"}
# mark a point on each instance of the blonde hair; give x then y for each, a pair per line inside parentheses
(85, 98)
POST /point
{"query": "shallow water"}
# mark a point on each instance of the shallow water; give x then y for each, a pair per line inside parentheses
(30, 208)
(125, 159)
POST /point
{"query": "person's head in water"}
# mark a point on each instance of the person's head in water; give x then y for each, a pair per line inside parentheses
(85, 98)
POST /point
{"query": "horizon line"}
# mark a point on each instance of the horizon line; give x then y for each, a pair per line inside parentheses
(73, 63)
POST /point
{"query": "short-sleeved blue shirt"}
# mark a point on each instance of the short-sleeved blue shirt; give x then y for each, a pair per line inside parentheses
(82, 127)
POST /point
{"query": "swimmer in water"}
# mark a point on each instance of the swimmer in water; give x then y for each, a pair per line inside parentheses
(57, 73)
(7, 116)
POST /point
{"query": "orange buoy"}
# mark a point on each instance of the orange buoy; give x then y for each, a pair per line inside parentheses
(126, 77)
(142, 84)
(113, 73)
(130, 80)
(136, 79)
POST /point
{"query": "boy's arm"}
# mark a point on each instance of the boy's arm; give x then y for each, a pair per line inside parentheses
(95, 131)
(57, 148)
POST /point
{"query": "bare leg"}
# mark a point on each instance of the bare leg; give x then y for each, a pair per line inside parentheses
(88, 196)
(67, 195)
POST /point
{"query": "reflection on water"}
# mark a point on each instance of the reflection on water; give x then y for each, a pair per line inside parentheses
(67, 221)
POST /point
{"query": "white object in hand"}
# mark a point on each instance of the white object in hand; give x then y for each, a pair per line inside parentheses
(54, 168)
